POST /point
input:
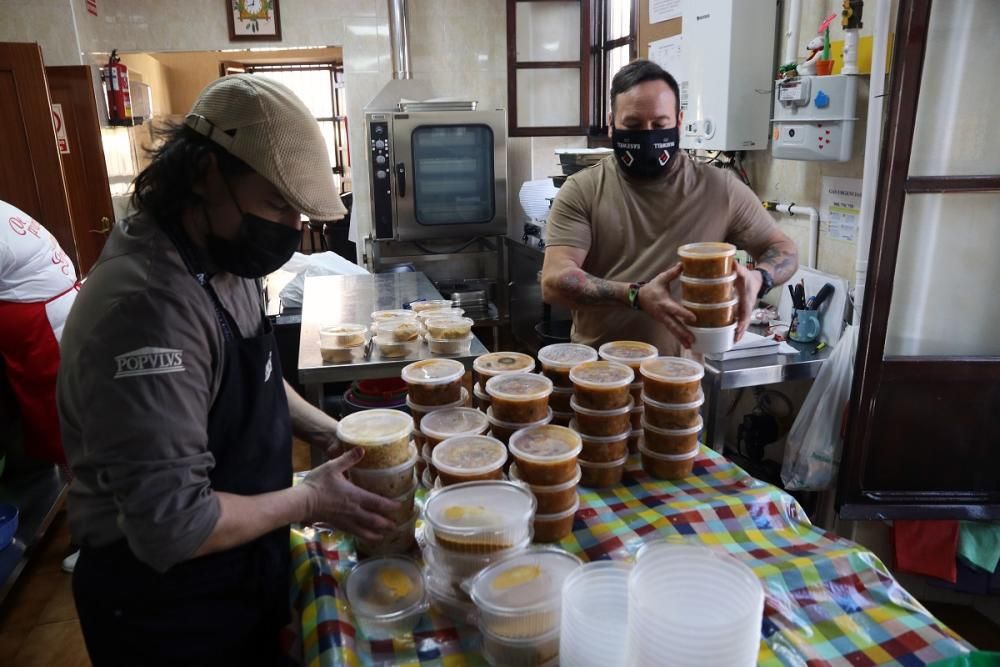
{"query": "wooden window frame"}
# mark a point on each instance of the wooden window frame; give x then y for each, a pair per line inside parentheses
(600, 50)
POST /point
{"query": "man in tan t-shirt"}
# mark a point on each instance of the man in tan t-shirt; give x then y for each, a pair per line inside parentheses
(614, 228)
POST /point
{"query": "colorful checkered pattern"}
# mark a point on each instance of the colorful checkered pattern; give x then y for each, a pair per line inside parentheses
(829, 601)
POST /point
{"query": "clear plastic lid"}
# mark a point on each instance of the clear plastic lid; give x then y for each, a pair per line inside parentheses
(707, 250)
(511, 426)
(420, 306)
(602, 375)
(708, 281)
(577, 408)
(427, 409)
(675, 406)
(479, 393)
(343, 335)
(566, 355)
(374, 428)
(399, 329)
(668, 457)
(489, 512)
(545, 444)
(433, 371)
(443, 424)
(628, 352)
(398, 314)
(467, 455)
(519, 387)
(604, 464)
(386, 589)
(499, 363)
(448, 327)
(563, 390)
(515, 475)
(709, 306)
(672, 369)
(601, 439)
(674, 431)
(435, 313)
(528, 582)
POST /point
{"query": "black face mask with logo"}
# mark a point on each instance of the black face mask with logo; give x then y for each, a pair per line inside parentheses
(645, 154)
(260, 246)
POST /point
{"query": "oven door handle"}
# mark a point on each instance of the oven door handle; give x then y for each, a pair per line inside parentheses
(401, 179)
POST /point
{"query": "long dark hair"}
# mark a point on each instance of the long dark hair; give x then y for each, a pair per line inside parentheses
(165, 188)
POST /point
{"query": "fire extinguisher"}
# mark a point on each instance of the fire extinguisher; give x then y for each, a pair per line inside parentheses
(119, 100)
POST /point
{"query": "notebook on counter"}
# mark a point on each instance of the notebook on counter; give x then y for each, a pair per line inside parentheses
(751, 345)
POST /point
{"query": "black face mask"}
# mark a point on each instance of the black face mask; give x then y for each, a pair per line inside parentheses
(645, 153)
(260, 246)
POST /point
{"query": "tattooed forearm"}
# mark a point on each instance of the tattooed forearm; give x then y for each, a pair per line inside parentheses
(781, 260)
(580, 288)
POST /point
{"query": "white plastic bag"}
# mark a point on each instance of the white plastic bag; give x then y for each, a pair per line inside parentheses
(316, 264)
(812, 453)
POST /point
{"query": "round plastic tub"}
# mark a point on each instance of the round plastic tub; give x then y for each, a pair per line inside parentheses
(450, 346)
(560, 399)
(553, 527)
(421, 411)
(387, 596)
(551, 499)
(445, 328)
(601, 385)
(386, 482)
(667, 466)
(456, 566)
(713, 340)
(399, 329)
(635, 416)
(442, 424)
(342, 336)
(390, 348)
(707, 260)
(546, 455)
(521, 596)
(383, 435)
(503, 431)
(480, 517)
(633, 440)
(482, 398)
(562, 418)
(531, 652)
(708, 290)
(432, 304)
(434, 381)
(519, 398)
(594, 624)
(446, 602)
(672, 415)
(672, 379)
(501, 363)
(557, 361)
(400, 541)
(671, 441)
(600, 475)
(342, 355)
(469, 458)
(407, 503)
(602, 449)
(602, 423)
(628, 352)
(712, 315)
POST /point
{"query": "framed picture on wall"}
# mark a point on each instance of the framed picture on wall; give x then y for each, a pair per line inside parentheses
(253, 20)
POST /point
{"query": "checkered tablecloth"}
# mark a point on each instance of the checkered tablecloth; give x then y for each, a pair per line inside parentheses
(829, 601)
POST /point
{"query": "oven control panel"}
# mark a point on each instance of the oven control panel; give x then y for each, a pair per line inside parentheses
(381, 175)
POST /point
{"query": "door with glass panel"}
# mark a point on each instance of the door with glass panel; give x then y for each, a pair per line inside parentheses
(924, 431)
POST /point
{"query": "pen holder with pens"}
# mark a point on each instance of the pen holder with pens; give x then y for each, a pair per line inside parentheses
(806, 326)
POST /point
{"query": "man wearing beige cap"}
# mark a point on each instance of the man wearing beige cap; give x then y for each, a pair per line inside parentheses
(175, 418)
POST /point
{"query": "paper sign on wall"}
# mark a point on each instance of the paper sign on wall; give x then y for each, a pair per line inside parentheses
(664, 10)
(667, 54)
(840, 206)
(59, 123)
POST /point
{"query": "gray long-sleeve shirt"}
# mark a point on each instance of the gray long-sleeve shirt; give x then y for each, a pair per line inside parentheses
(142, 357)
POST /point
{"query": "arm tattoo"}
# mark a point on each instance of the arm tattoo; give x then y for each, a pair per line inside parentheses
(782, 263)
(586, 290)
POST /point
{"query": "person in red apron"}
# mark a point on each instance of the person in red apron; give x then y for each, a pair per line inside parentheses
(176, 420)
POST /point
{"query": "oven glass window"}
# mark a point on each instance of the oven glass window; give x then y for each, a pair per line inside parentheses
(453, 174)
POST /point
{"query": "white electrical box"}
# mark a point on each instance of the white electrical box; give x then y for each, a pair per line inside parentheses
(726, 88)
(814, 118)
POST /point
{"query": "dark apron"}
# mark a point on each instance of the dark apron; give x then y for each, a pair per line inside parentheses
(223, 608)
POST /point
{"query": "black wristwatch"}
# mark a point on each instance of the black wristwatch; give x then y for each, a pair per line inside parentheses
(766, 285)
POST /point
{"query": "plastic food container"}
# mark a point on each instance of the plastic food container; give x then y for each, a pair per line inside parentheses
(400, 541)
(601, 475)
(387, 596)
(602, 423)
(434, 381)
(713, 340)
(420, 411)
(560, 399)
(450, 346)
(427, 479)
(433, 313)
(635, 389)
(480, 517)
(457, 566)
(386, 482)
(672, 379)
(633, 440)
(389, 348)
(708, 290)
(398, 329)
(551, 499)
(482, 398)
(712, 315)
(531, 652)
(557, 361)
(341, 336)
(635, 416)
(602, 385)
(521, 597)
(554, 527)
(380, 316)
(384, 435)
(672, 415)
(594, 627)
(671, 441)
(432, 304)
(707, 260)
(546, 455)
(446, 602)
(408, 504)
(562, 418)
(628, 352)
(500, 363)
(442, 424)
(503, 431)
(469, 458)
(519, 398)
(667, 466)
(602, 449)
(445, 328)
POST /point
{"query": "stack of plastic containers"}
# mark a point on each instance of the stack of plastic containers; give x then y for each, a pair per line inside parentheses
(671, 423)
(691, 606)
(595, 615)
(439, 425)
(557, 361)
(433, 384)
(631, 353)
(602, 404)
(448, 333)
(387, 596)
(342, 343)
(467, 527)
(519, 601)
(493, 364)
(707, 290)
(387, 469)
(546, 461)
(397, 333)
(517, 401)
